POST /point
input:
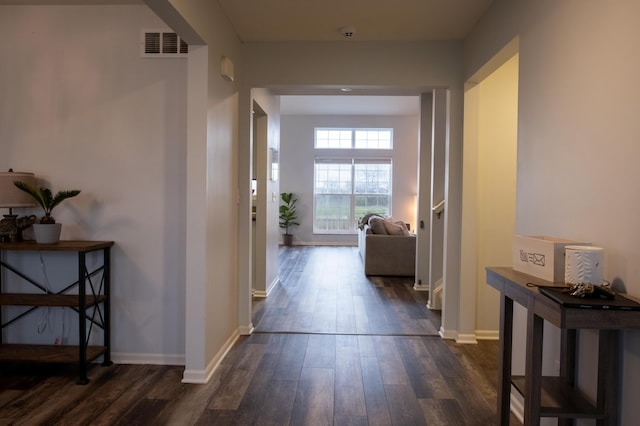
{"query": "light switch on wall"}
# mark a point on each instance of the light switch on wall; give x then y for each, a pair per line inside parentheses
(273, 197)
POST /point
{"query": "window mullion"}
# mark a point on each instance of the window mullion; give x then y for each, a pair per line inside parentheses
(352, 212)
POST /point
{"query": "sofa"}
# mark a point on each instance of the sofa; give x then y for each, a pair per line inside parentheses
(385, 248)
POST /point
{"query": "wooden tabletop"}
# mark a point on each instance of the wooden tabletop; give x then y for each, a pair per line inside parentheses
(63, 245)
(523, 289)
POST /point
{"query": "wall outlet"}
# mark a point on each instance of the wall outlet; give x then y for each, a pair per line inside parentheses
(556, 367)
(58, 341)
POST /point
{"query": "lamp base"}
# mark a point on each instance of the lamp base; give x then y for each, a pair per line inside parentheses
(9, 228)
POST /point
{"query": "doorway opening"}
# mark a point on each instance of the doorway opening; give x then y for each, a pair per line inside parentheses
(407, 189)
(489, 188)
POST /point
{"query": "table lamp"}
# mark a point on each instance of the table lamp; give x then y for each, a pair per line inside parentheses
(11, 197)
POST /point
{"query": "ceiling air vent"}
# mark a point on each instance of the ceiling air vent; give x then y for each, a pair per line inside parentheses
(162, 44)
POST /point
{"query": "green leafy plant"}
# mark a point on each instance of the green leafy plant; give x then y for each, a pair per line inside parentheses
(45, 198)
(288, 216)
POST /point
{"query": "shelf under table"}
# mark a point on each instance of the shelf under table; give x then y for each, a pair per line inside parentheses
(560, 400)
(37, 299)
(62, 354)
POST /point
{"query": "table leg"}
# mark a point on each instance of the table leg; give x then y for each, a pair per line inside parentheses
(568, 347)
(1, 290)
(608, 373)
(533, 367)
(107, 306)
(504, 359)
(82, 321)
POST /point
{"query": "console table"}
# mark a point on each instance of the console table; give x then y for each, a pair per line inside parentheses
(90, 300)
(556, 396)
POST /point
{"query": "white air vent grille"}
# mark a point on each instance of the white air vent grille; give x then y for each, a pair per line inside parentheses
(162, 44)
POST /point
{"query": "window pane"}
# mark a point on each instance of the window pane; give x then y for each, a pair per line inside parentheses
(372, 204)
(332, 213)
(332, 178)
(333, 138)
(373, 139)
(372, 178)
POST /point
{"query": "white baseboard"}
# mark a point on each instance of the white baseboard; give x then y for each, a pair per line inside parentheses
(434, 307)
(458, 337)
(151, 359)
(466, 339)
(448, 334)
(488, 334)
(246, 330)
(203, 376)
(258, 293)
(264, 294)
(421, 287)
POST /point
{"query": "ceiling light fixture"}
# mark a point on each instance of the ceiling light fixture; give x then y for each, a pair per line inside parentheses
(348, 31)
(346, 89)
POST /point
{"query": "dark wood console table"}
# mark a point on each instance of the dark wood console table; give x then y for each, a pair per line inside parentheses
(556, 396)
(90, 300)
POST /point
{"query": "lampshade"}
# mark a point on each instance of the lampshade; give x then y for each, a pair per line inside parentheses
(10, 196)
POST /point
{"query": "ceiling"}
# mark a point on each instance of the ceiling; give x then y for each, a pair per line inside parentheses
(313, 20)
(349, 105)
(373, 20)
(325, 20)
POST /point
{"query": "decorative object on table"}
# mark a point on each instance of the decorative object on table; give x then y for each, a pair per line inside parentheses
(46, 231)
(11, 226)
(288, 216)
(542, 256)
(584, 265)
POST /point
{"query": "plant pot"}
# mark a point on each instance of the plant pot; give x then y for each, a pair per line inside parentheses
(287, 239)
(47, 233)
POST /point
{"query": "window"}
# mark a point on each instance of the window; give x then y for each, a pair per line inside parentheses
(353, 138)
(352, 176)
(346, 189)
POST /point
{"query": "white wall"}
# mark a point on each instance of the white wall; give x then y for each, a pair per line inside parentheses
(212, 295)
(577, 139)
(489, 194)
(397, 68)
(267, 223)
(298, 154)
(81, 109)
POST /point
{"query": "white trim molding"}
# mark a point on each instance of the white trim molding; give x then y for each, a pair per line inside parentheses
(203, 376)
(487, 334)
(151, 359)
(246, 330)
(467, 339)
(421, 287)
(448, 334)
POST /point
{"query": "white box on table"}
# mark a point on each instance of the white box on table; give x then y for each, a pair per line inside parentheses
(542, 257)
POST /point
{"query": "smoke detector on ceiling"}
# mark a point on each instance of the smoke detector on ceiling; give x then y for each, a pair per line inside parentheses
(348, 31)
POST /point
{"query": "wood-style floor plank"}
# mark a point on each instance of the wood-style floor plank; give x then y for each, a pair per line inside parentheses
(329, 293)
(349, 390)
(334, 347)
(314, 404)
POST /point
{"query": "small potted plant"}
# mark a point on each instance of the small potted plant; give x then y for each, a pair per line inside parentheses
(46, 231)
(288, 216)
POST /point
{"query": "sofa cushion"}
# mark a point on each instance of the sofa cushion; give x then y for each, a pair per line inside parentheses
(364, 220)
(395, 227)
(376, 224)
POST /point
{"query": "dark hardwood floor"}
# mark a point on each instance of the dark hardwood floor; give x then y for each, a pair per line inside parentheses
(331, 347)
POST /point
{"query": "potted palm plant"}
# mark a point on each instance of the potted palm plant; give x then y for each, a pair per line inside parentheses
(46, 231)
(288, 216)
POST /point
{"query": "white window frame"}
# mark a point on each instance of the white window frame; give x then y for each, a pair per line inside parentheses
(346, 137)
(352, 194)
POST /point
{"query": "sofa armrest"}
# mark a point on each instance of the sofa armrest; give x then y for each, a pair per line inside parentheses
(390, 255)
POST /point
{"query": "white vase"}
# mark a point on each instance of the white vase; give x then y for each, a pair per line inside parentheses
(47, 233)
